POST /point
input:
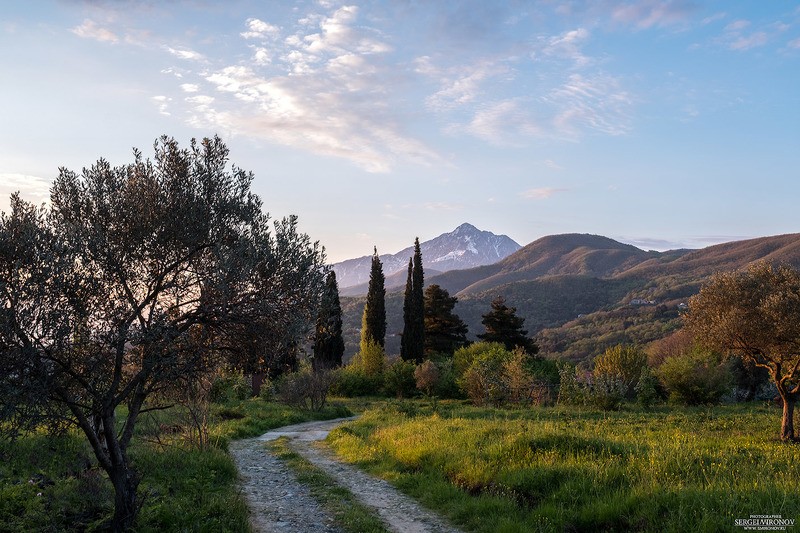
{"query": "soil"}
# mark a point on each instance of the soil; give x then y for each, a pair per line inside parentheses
(279, 503)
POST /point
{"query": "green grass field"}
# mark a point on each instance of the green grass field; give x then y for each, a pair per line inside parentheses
(49, 483)
(555, 469)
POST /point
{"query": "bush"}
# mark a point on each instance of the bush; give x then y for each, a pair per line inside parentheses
(371, 357)
(647, 388)
(398, 379)
(229, 386)
(697, 377)
(618, 370)
(351, 381)
(464, 357)
(426, 376)
(304, 389)
(446, 386)
(570, 391)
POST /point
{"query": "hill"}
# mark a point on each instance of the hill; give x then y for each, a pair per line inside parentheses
(582, 293)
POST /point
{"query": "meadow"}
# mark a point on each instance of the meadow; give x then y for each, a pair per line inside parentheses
(51, 482)
(559, 469)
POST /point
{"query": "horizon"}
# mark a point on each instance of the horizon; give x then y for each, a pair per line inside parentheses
(656, 123)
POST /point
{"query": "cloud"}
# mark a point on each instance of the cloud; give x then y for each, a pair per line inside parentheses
(542, 193)
(190, 87)
(185, 53)
(90, 30)
(795, 44)
(462, 85)
(646, 14)
(564, 46)
(31, 188)
(258, 29)
(751, 41)
(443, 206)
(162, 102)
(590, 103)
(324, 88)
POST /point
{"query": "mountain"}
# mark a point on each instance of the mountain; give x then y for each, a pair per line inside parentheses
(463, 248)
(581, 293)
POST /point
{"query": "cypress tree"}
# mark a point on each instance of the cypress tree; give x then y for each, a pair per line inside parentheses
(413, 342)
(328, 340)
(445, 332)
(503, 325)
(374, 319)
(406, 337)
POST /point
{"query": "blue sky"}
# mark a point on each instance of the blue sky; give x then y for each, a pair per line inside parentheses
(660, 123)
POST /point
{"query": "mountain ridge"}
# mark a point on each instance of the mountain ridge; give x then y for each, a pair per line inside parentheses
(464, 247)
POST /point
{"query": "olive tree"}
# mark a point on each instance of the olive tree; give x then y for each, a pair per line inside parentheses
(134, 279)
(755, 314)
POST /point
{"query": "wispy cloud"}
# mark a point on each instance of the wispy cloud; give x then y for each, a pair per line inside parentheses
(31, 188)
(323, 86)
(542, 193)
(89, 29)
(645, 14)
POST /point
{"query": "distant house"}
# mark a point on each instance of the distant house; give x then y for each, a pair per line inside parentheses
(642, 301)
(683, 306)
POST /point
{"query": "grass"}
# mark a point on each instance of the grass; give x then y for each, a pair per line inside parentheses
(556, 469)
(350, 515)
(52, 483)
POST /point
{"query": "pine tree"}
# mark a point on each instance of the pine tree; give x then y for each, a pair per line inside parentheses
(503, 325)
(374, 319)
(328, 340)
(445, 332)
(413, 342)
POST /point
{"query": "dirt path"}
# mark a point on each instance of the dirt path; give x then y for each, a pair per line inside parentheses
(280, 504)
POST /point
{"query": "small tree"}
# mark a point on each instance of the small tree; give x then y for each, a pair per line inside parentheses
(445, 332)
(503, 325)
(696, 377)
(755, 314)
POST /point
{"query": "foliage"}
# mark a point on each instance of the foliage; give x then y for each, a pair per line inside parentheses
(398, 379)
(570, 391)
(328, 340)
(374, 319)
(696, 377)
(305, 389)
(647, 388)
(445, 332)
(371, 358)
(426, 376)
(619, 368)
(136, 277)
(228, 385)
(755, 314)
(496, 376)
(679, 469)
(351, 381)
(413, 341)
(463, 357)
(503, 325)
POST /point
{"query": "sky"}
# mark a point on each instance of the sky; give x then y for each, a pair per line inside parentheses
(664, 124)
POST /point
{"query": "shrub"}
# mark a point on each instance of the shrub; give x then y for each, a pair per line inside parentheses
(697, 377)
(446, 386)
(304, 389)
(398, 379)
(619, 369)
(570, 391)
(464, 357)
(371, 357)
(230, 385)
(647, 388)
(426, 376)
(351, 381)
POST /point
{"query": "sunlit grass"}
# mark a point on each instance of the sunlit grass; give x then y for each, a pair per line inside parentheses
(555, 469)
